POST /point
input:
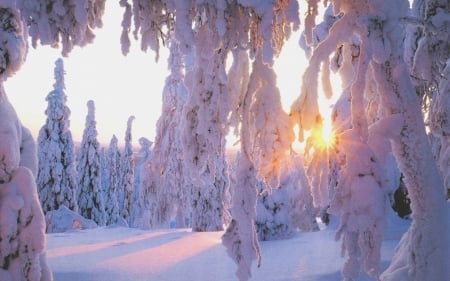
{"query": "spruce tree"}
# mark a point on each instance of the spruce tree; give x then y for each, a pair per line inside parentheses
(90, 198)
(56, 178)
(127, 174)
(112, 161)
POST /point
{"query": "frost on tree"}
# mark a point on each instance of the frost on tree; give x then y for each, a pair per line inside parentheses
(56, 179)
(380, 66)
(112, 161)
(90, 196)
(22, 225)
(126, 185)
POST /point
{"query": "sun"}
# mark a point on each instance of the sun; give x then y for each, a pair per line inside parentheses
(328, 135)
(322, 135)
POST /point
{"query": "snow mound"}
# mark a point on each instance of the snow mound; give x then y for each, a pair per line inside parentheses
(64, 220)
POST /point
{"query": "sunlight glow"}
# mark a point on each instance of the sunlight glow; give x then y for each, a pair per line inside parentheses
(328, 135)
(322, 136)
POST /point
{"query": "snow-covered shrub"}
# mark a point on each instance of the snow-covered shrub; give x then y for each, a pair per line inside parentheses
(281, 211)
(65, 220)
(272, 214)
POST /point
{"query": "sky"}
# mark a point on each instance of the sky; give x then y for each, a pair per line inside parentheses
(119, 85)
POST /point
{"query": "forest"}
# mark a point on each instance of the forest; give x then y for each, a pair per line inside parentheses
(389, 142)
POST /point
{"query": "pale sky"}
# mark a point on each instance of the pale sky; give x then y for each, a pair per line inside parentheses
(120, 86)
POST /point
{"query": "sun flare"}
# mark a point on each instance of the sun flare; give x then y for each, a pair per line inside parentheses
(322, 136)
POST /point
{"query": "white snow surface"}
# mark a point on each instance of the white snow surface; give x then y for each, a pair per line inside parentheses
(122, 254)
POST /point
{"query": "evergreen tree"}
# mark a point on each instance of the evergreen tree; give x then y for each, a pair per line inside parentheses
(166, 171)
(127, 175)
(427, 55)
(56, 179)
(204, 130)
(112, 165)
(139, 207)
(90, 197)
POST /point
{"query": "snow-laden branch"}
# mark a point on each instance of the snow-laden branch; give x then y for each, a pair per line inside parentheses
(270, 138)
(69, 23)
(13, 45)
(261, 25)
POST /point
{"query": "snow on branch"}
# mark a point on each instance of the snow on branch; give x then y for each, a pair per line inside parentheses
(13, 44)
(271, 23)
(151, 20)
(240, 239)
(252, 25)
(305, 109)
(69, 23)
(271, 137)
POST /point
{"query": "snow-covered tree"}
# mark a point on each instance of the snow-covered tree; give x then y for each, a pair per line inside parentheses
(440, 123)
(22, 225)
(139, 215)
(56, 179)
(90, 196)
(240, 238)
(126, 185)
(112, 161)
(104, 172)
(427, 55)
(378, 73)
(302, 214)
(167, 164)
(376, 27)
(22, 229)
(255, 18)
(204, 130)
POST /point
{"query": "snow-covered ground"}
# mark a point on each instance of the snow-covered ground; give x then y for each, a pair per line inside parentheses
(122, 254)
